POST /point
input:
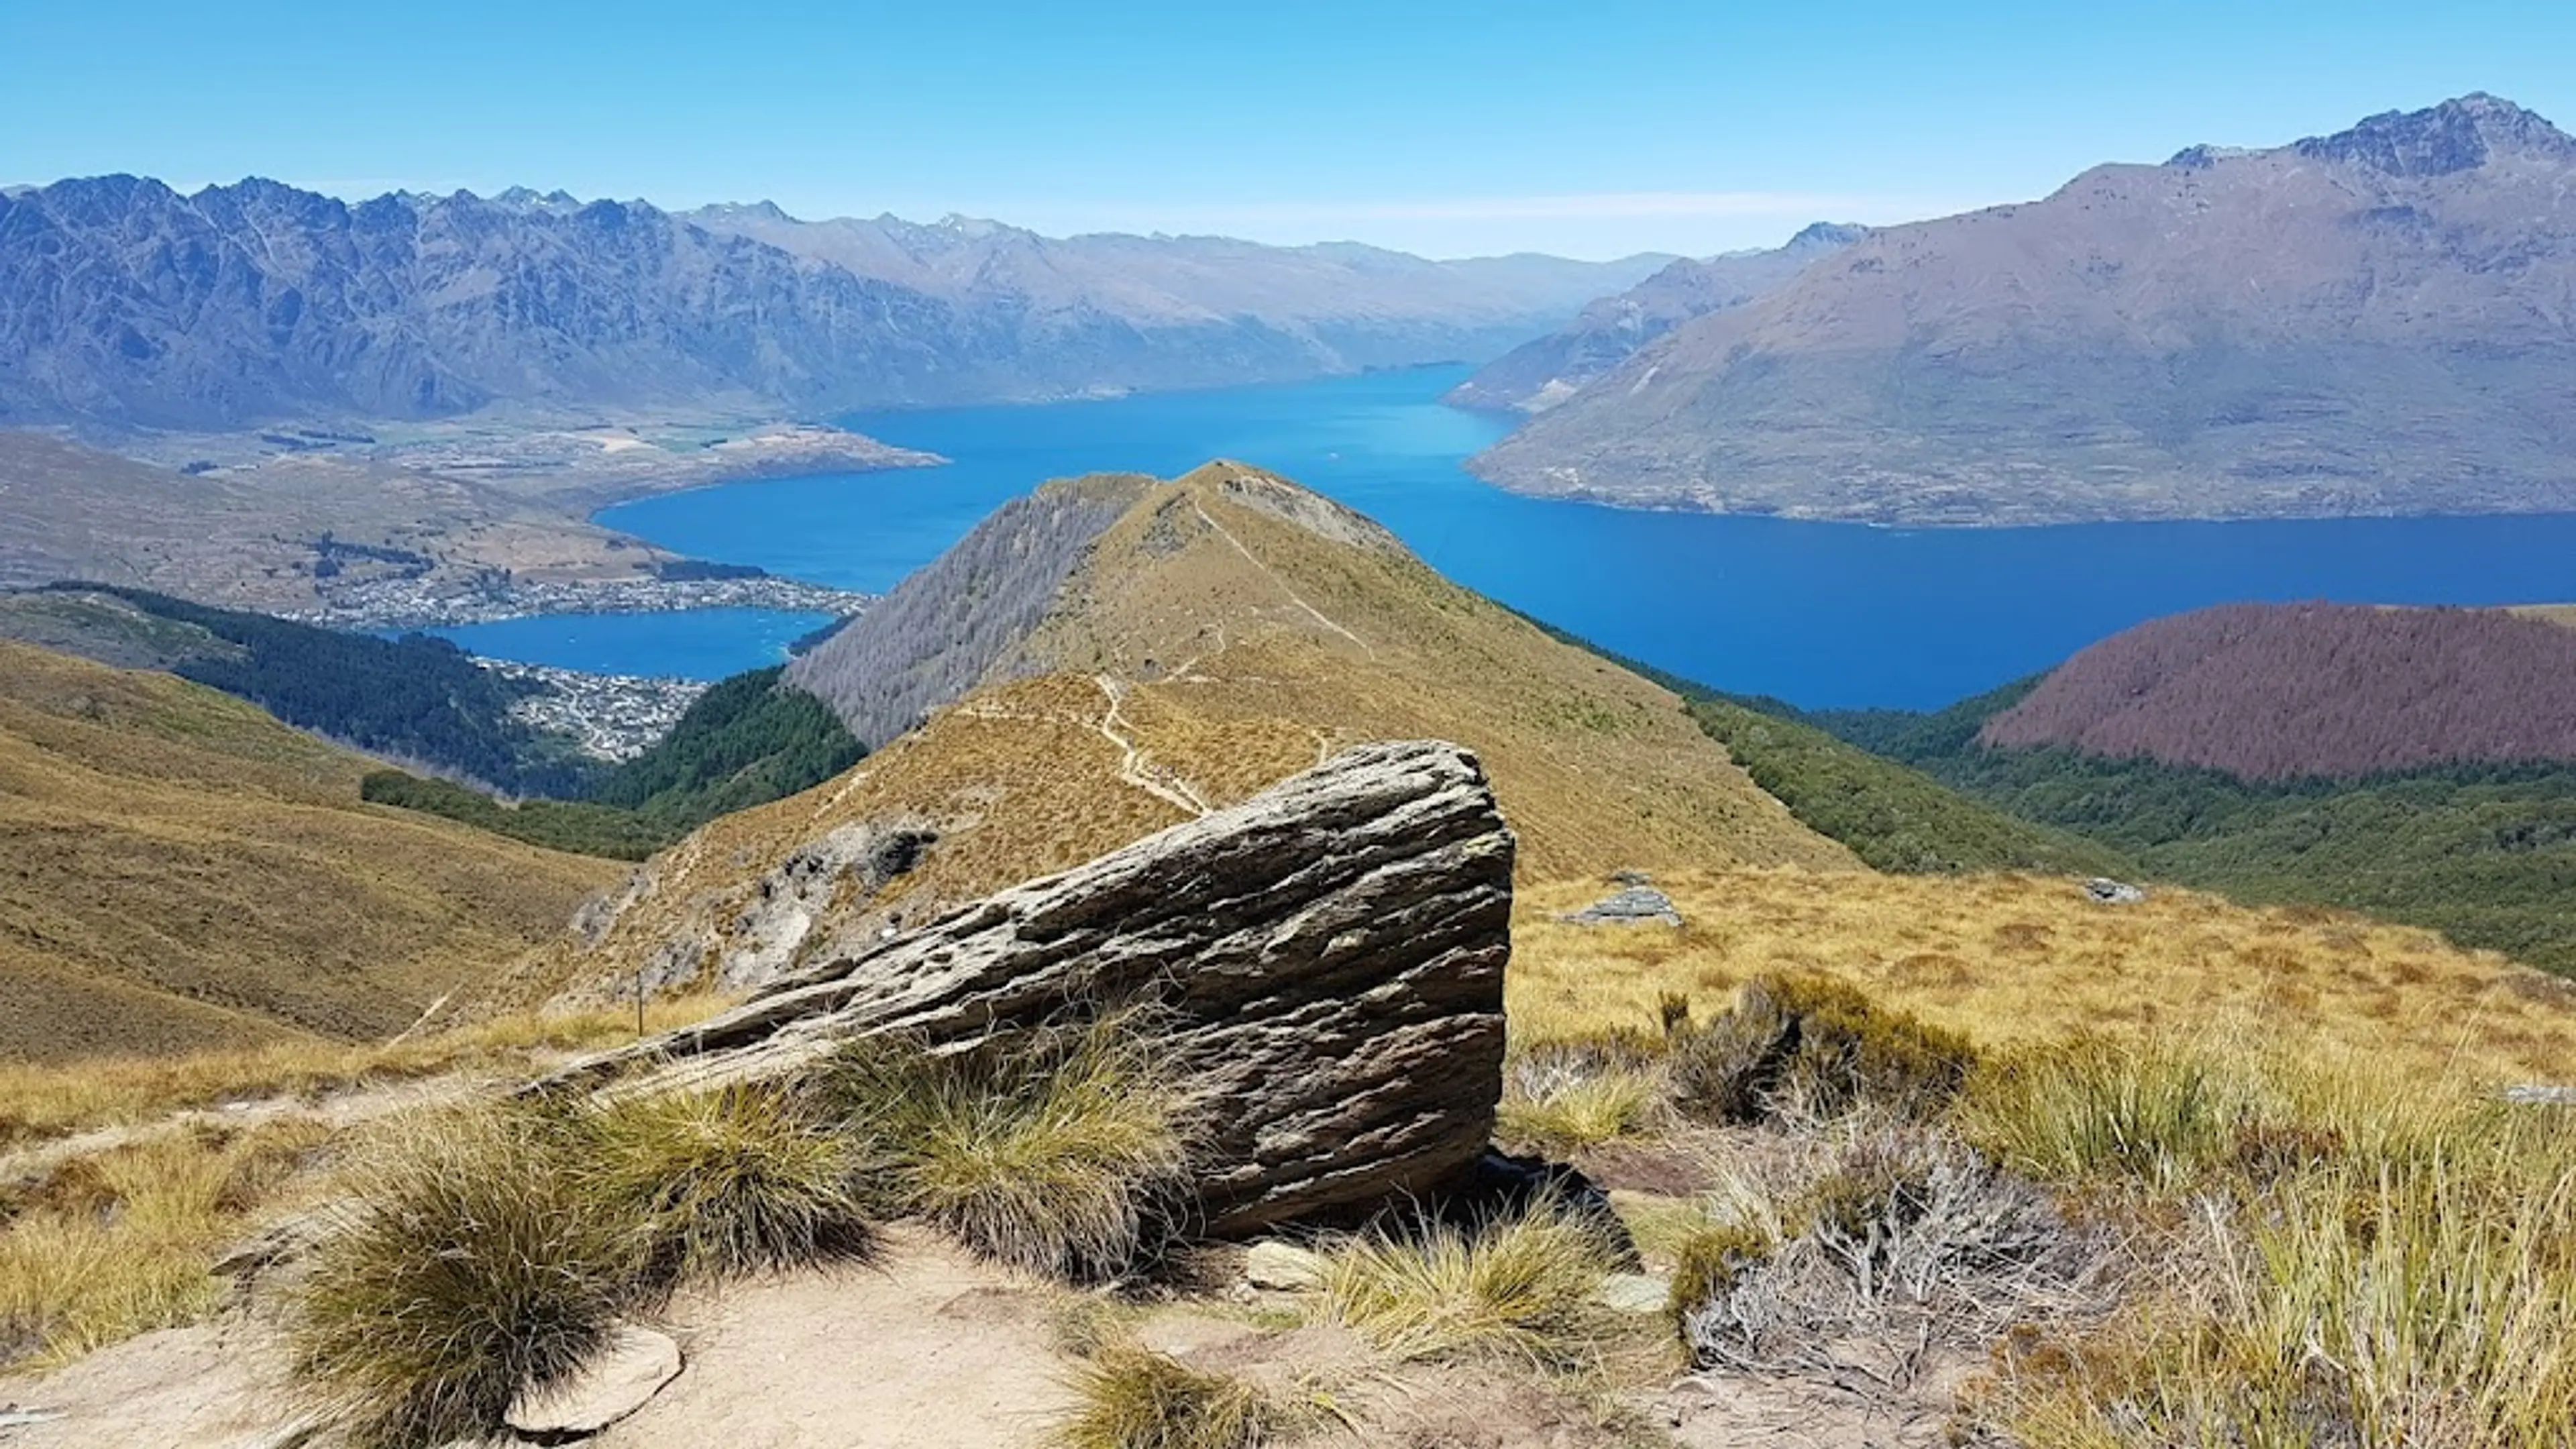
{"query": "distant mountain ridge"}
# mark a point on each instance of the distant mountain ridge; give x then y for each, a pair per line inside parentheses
(1539, 374)
(124, 303)
(2380, 321)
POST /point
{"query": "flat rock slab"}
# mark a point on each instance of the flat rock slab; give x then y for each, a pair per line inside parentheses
(1632, 906)
(1326, 958)
(620, 1379)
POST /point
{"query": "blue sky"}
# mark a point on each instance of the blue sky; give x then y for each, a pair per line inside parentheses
(1583, 128)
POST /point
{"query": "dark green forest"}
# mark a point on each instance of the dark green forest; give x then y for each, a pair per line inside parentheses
(2485, 854)
(411, 698)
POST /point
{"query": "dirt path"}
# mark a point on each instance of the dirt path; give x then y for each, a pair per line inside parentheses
(925, 1347)
(1132, 765)
(337, 1110)
(1318, 615)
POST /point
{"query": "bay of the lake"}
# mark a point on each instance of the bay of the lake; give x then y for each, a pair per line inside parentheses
(678, 644)
(1822, 614)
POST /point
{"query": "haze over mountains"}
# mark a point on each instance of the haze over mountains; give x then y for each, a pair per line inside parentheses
(2377, 321)
(124, 303)
(1539, 374)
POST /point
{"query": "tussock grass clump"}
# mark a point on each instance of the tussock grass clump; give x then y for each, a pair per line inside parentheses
(1519, 1288)
(733, 1180)
(470, 1260)
(1814, 1048)
(2161, 1116)
(1063, 1151)
(2408, 1278)
(1130, 1397)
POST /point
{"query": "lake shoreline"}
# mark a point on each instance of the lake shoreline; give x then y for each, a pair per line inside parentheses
(1827, 614)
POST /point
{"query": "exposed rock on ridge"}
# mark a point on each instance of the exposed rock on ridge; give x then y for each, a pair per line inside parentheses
(1328, 956)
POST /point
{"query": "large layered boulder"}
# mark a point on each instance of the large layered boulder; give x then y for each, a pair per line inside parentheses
(1328, 955)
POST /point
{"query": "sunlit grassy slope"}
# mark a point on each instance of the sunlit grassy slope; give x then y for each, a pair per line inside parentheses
(1231, 629)
(2011, 958)
(179, 871)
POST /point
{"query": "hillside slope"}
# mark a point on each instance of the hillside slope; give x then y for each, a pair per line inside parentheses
(2376, 321)
(182, 872)
(1539, 374)
(2270, 691)
(2483, 850)
(1214, 634)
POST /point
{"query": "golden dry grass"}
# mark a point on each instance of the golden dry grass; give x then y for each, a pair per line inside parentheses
(2024, 959)
(41, 1101)
(180, 872)
(123, 1241)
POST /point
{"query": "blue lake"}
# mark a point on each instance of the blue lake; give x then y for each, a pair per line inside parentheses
(1823, 614)
(684, 644)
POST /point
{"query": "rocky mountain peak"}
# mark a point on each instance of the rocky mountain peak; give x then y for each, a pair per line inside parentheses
(1827, 235)
(2457, 135)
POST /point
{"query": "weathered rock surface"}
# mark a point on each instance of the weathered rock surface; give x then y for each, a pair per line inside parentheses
(2105, 891)
(1328, 954)
(1636, 903)
(1283, 1267)
(617, 1381)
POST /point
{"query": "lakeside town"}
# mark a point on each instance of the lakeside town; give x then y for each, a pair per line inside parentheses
(423, 603)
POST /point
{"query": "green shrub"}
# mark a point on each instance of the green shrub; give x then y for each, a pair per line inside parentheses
(1710, 1262)
(1814, 1047)
(731, 1180)
(1061, 1151)
(469, 1261)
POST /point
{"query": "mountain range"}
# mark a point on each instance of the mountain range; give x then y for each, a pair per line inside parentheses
(2378, 321)
(124, 303)
(1545, 371)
